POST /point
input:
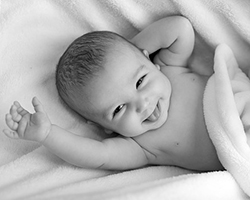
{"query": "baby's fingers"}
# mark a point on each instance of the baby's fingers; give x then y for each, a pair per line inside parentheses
(15, 116)
(11, 134)
(13, 125)
(20, 109)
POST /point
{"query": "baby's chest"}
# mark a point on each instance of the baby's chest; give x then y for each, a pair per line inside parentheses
(183, 80)
(189, 82)
(178, 141)
(185, 127)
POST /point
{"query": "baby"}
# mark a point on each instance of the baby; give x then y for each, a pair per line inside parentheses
(156, 107)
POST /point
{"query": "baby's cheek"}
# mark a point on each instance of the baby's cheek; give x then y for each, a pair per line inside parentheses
(130, 127)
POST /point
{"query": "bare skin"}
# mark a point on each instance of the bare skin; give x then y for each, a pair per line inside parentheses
(156, 108)
(190, 145)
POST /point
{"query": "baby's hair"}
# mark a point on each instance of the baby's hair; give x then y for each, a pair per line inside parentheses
(83, 60)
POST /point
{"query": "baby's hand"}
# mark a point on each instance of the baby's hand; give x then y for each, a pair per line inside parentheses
(25, 125)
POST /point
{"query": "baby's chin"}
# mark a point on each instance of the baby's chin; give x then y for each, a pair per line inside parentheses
(146, 126)
(152, 125)
(133, 134)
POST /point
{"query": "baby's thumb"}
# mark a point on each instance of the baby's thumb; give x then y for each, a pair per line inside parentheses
(37, 105)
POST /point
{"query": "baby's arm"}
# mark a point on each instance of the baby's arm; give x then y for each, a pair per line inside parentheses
(114, 153)
(173, 35)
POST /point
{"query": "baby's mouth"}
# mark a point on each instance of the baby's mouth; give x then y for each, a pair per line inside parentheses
(155, 114)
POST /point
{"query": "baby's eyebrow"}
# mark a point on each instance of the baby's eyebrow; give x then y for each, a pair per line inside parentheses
(138, 71)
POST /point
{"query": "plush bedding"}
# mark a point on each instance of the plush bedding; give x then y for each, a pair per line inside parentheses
(34, 34)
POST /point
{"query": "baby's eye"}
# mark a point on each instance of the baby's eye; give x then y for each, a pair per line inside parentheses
(139, 82)
(118, 109)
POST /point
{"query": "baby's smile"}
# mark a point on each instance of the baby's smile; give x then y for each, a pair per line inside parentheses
(154, 116)
(157, 116)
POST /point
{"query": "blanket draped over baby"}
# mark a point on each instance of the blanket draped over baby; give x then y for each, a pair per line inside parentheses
(35, 33)
(227, 115)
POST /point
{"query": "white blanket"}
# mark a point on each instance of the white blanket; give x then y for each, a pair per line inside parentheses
(227, 115)
(34, 34)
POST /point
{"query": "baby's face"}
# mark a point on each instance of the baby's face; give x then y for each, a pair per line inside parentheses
(131, 95)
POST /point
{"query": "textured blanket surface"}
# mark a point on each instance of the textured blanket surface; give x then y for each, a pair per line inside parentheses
(34, 34)
(226, 110)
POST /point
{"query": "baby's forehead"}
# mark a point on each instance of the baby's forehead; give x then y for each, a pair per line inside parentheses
(122, 52)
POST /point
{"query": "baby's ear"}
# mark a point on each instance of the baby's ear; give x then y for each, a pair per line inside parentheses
(145, 52)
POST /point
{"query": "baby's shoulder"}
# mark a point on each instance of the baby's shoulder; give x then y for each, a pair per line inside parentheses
(156, 146)
(149, 150)
(175, 71)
